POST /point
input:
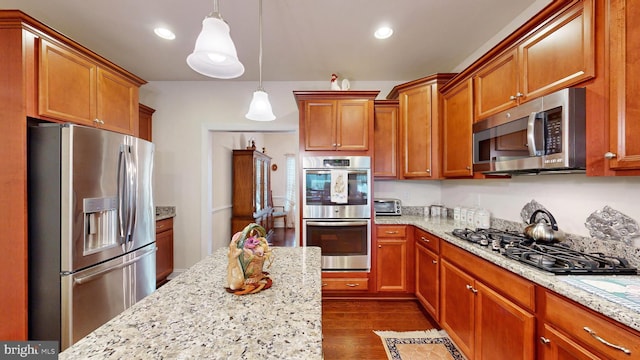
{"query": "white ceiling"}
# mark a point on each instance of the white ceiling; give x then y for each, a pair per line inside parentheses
(304, 40)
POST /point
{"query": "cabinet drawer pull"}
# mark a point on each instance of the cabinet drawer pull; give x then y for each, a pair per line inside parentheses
(544, 340)
(617, 347)
(390, 232)
(324, 284)
(424, 239)
(352, 285)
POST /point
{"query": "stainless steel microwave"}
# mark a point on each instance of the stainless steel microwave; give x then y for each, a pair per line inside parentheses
(544, 135)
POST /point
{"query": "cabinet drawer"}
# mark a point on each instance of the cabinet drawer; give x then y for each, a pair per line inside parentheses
(586, 327)
(508, 284)
(164, 225)
(392, 231)
(348, 284)
(427, 240)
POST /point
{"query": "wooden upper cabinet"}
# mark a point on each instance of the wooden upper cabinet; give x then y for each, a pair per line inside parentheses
(558, 54)
(337, 125)
(145, 125)
(457, 147)
(117, 103)
(352, 125)
(416, 130)
(72, 87)
(624, 92)
(420, 126)
(496, 86)
(336, 120)
(67, 85)
(320, 125)
(385, 139)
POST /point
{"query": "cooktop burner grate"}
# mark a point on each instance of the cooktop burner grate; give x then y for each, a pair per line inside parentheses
(562, 260)
(555, 258)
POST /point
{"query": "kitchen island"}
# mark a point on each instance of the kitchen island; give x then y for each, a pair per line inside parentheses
(194, 317)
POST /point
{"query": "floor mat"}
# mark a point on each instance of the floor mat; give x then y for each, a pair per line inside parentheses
(413, 345)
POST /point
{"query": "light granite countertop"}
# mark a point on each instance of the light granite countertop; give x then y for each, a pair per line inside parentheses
(194, 317)
(165, 212)
(442, 228)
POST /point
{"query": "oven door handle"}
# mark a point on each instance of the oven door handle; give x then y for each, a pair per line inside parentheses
(337, 223)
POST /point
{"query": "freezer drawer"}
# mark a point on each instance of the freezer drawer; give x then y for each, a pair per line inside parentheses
(94, 296)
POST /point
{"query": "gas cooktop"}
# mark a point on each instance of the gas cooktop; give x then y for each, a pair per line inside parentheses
(555, 258)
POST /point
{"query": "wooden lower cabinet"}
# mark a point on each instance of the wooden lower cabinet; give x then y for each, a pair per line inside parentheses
(571, 331)
(481, 321)
(428, 272)
(392, 262)
(164, 255)
(557, 346)
(340, 282)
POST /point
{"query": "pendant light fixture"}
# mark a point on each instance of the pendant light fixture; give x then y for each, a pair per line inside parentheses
(215, 54)
(260, 108)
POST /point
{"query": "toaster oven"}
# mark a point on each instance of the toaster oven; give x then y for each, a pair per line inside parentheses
(384, 207)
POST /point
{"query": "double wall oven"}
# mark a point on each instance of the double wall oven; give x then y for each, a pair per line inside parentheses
(336, 210)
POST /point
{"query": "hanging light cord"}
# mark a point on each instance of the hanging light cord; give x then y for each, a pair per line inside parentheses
(260, 51)
(216, 13)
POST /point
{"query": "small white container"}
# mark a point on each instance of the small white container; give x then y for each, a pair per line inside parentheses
(471, 217)
(456, 214)
(444, 212)
(463, 215)
(483, 219)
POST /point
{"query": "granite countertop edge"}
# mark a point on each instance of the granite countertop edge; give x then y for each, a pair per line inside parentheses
(442, 228)
(194, 317)
(165, 212)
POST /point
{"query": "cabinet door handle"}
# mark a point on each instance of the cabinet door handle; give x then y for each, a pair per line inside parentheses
(428, 171)
(469, 287)
(468, 167)
(434, 261)
(595, 336)
(609, 155)
(424, 239)
(352, 285)
(544, 340)
(379, 246)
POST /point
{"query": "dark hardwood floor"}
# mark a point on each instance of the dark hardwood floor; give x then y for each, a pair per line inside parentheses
(348, 325)
(283, 237)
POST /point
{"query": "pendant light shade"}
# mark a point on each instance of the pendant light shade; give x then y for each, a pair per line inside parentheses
(260, 107)
(215, 54)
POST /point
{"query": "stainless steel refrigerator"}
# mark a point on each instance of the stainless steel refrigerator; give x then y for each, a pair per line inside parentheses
(91, 228)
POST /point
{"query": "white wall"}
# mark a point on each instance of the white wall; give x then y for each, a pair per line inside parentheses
(570, 198)
(186, 113)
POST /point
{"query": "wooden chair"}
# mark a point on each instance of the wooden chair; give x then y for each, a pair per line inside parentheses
(278, 211)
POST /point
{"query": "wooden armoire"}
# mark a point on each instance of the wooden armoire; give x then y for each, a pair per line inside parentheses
(251, 189)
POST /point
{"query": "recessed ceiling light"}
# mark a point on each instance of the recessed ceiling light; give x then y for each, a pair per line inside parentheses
(383, 32)
(164, 33)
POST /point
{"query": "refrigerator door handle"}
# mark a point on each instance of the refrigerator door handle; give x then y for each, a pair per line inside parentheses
(130, 191)
(121, 183)
(86, 279)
